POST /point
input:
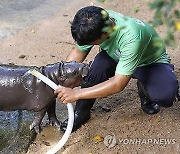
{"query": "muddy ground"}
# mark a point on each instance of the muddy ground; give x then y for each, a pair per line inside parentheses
(48, 41)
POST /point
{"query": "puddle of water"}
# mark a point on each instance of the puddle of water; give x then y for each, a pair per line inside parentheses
(15, 15)
(10, 124)
(14, 128)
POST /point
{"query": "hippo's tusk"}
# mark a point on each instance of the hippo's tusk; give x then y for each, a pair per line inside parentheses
(67, 133)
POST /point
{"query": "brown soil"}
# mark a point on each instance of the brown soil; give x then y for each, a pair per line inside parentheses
(49, 41)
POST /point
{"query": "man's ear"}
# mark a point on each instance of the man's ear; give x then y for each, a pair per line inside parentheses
(105, 35)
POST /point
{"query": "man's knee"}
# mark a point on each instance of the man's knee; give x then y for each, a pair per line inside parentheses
(165, 99)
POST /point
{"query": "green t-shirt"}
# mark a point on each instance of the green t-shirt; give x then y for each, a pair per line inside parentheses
(134, 44)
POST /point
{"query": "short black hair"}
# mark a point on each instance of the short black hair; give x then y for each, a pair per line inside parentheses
(88, 23)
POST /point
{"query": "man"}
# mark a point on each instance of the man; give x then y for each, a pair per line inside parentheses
(130, 48)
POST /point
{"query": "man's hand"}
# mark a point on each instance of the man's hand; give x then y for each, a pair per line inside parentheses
(66, 95)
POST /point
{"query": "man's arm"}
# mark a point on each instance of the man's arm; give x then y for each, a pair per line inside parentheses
(76, 55)
(109, 87)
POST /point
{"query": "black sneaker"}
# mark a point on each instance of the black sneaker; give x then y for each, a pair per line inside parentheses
(146, 105)
(79, 119)
(150, 108)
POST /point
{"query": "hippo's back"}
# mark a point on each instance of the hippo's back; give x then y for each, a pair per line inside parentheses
(14, 82)
(11, 76)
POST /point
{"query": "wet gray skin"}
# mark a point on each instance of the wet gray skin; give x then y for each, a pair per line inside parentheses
(20, 90)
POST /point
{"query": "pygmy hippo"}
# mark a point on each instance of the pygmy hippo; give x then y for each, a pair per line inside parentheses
(20, 90)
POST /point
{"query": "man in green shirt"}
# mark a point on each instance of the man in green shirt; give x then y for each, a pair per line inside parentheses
(129, 48)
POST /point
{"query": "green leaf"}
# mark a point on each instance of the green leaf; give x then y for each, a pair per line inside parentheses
(170, 36)
(177, 13)
(168, 7)
(157, 4)
(169, 22)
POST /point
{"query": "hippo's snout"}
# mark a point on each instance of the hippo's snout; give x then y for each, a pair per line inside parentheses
(73, 69)
(72, 73)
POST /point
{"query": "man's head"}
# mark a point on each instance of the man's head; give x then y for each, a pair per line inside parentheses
(88, 25)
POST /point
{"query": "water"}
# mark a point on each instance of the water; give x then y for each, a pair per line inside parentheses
(15, 15)
(15, 135)
(11, 125)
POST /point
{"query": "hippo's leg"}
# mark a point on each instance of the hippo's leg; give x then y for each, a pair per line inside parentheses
(37, 121)
(53, 121)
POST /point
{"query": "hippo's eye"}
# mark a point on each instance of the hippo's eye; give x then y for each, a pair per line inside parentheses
(75, 73)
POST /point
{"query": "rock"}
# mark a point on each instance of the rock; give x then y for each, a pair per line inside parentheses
(22, 56)
(106, 108)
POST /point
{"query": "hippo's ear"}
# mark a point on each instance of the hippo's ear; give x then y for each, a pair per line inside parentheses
(85, 70)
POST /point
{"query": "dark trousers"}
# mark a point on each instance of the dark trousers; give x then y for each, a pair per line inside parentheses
(158, 80)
